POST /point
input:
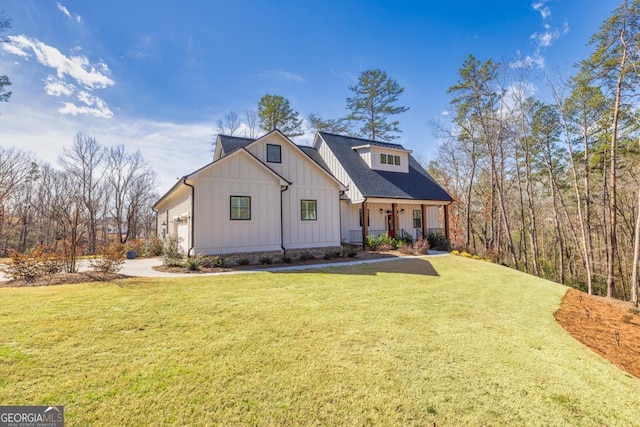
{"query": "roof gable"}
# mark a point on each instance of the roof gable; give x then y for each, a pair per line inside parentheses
(416, 184)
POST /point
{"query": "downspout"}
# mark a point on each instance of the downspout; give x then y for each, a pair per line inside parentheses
(365, 224)
(284, 251)
(193, 213)
(340, 215)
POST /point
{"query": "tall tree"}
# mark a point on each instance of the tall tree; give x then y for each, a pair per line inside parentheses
(373, 104)
(251, 116)
(618, 38)
(315, 123)
(83, 161)
(5, 24)
(275, 112)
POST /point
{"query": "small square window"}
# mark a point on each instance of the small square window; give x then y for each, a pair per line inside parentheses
(397, 160)
(240, 207)
(274, 153)
(308, 210)
(383, 159)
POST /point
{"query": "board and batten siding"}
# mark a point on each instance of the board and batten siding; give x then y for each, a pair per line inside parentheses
(216, 232)
(338, 170)
(175, 205)
(309, 182)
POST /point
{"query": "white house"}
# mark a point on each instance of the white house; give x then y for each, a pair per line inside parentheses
(271, 195)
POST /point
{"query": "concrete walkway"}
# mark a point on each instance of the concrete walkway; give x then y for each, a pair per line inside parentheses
(143, 267)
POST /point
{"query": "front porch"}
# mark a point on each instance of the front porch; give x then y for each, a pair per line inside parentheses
(410, 219)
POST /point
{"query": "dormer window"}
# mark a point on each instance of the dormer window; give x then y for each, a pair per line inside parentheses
(274, 153)
(383, 159)
(397, 160)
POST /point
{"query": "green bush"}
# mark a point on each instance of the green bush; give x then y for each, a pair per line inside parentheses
(213, 261)
(243, 261)
(438, 242)
(194, 263)
(172, 253)
(305, 256)
(286, 259)
(265, 260)
(155, 247)
(349, 251)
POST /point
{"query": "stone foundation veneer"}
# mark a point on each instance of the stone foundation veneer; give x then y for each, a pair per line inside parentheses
(254, 257)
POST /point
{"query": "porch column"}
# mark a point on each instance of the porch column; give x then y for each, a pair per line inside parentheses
(446, 220)
(394, 218)
(423, 220)
(365, 224)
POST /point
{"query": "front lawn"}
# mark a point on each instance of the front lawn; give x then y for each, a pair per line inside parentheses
(445, 339)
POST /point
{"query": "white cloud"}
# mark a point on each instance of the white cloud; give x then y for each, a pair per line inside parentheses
(55, 87)
(529, 61)
(92, 105)
(171, 149)
(546, 38)
(545, 12)
(77, 67)
(72, 73)
(68, 14)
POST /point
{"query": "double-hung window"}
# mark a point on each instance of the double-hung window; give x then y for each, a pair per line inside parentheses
(308, 210)
(417, 219)
(240, 207)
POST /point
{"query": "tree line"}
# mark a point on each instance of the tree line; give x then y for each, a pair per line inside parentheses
(97, 196)
(551, 187)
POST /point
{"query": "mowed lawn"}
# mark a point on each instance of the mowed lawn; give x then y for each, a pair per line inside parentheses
(445, 339)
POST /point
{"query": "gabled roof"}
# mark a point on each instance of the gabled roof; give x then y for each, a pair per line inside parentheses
(229, 144)
(315, 156)
(240, 150)
(417, 184)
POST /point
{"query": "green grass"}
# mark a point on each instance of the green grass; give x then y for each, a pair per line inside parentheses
(456, 342)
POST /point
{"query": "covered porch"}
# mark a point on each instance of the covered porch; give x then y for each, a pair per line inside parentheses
(409, 219)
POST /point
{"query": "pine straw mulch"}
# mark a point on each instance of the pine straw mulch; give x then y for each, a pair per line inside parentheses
(63, 279)
(597, 321)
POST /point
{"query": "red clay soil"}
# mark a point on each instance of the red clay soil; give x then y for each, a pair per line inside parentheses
(597, 321)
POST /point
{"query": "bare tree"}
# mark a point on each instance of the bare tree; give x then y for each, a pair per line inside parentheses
(229, 124)
(252, 124)
(15, 166)
(83, 162)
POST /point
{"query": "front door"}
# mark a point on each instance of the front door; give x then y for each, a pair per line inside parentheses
(390, 229)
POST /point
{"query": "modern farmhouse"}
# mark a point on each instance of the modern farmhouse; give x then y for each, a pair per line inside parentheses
(271, 195)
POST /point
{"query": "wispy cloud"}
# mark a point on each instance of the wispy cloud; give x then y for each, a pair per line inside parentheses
(74, 75)
(68, 14)
(283, 75)
(541, 39)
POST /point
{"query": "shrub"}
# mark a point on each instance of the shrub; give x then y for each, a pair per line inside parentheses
(243, 261)
(23, 266)
(111, 260)
(331, 254)
(305, 256)
(627, 318)
(455, 252)
(465, 254)
(372, 242)
(172, 253)
(51, 262)
(438, 242)
(194, 263)
(421, 246)
(476, 257)
(155, 247)
(265, 260)
(349, 251)
(212, 261)
(634, 310)
(405, 249)
(286, 259)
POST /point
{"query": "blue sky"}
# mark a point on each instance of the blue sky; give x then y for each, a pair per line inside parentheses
(156, 75)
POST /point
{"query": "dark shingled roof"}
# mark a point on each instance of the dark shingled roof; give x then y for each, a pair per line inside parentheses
(315, 156)
(417, 184)
(233, 143)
